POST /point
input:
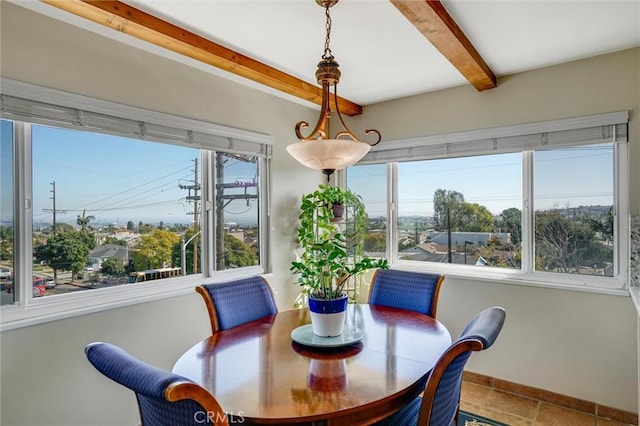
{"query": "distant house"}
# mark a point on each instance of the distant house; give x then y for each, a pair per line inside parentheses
(103, 252)
(239, 235)
(480, 239)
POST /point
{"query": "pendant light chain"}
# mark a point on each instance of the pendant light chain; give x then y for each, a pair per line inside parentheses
(327, 49)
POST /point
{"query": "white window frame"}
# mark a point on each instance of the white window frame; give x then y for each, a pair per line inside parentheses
(30, 311)
(524, 139)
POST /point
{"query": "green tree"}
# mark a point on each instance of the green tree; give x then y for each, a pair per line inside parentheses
(238, 253)
(137, 262)
(450, 209)
(567, 246)
(83, 221)
(6, 243)
(446, 205)
(114, 240)
(144, 228)
(510, 221)
(88, 238)
(157, 247)
(473, 218)
(113, 266)
(375, 242)
(131, 226)
(64, 227)
(604, 228)
(65, 251)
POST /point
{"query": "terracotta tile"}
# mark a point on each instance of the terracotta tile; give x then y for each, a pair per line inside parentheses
(512, 404)
(474, 393)
(480, 379)
(522, 390)
(617, 415)
(568, 401)
(608, 422)
(501, 416)
(470, 407)
(520, 405)
(554, 415)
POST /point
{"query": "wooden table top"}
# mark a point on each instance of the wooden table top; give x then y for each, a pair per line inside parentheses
(257, 373)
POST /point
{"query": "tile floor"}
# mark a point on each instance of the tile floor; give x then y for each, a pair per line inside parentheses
(517, 410)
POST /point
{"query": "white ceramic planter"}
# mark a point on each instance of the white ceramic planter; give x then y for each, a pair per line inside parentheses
(328, 316)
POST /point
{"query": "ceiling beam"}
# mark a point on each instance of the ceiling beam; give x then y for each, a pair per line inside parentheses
(434, 22)
(136, 23)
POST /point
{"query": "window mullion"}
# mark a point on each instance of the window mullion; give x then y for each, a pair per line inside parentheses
(264, 212)
(392, 211)
(206, 214)
(621, 204)
(528, 240)
(23, 213)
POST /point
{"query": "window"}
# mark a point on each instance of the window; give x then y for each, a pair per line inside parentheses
(518, 204)
(6, 213)
(453, 210)
(368, 182)
(142, 203)
(574, 204)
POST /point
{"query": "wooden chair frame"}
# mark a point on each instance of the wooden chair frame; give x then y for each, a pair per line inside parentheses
(211, 308)
(178, 391)
(424, 418)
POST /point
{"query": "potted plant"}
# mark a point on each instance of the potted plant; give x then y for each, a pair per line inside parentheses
(336, 198)
(332, 252)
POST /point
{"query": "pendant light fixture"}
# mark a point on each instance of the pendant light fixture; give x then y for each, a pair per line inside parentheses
(319, 150)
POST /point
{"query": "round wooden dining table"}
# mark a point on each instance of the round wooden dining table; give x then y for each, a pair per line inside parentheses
(260, 375)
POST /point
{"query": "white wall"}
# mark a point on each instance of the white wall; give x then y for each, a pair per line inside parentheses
(580, 344)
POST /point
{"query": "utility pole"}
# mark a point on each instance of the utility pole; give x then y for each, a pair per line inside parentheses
(54, 211)
(195, 198)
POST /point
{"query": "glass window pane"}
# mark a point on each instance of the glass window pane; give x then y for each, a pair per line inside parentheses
(461, 210)
(237, 210)
(6, 213)
(370, 183)
(110, 210)
(574, 196)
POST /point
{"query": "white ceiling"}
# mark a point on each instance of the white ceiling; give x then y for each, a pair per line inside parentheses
(381, 54)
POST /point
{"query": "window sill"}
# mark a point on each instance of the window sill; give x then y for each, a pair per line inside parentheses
(53, 308)
(516, 277)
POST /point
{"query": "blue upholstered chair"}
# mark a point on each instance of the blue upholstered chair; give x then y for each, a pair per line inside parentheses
(440, 403)
(164, 398)
(414, 291)
(236, 302)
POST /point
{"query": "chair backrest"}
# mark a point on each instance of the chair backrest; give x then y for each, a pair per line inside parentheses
(414, 291)
(236, 302)
(441, 398)
(164, 398)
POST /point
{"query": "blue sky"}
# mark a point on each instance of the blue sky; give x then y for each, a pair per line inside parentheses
(118, 179)
(564, 178)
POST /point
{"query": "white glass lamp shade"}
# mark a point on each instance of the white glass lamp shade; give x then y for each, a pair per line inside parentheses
(328, 154)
